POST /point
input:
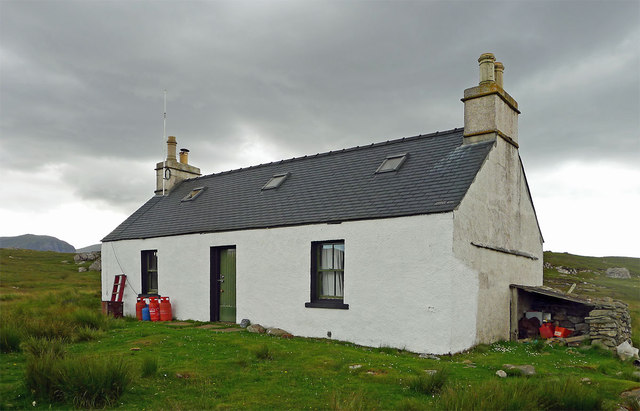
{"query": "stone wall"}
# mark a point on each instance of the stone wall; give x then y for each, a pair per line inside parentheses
(609, 323)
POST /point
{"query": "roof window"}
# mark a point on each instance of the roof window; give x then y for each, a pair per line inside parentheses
(392, 163)
(275, 181)
(193, 194)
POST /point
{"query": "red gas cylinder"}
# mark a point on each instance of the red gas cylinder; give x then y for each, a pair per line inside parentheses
(139, 306)
(154, 309)
(165, 309)
(546, 330)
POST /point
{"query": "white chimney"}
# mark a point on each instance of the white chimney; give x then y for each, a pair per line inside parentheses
(489, 111)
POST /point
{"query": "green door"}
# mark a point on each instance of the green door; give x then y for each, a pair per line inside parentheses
(227, 281)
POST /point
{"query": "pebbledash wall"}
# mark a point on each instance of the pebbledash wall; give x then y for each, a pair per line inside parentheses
(402, 282)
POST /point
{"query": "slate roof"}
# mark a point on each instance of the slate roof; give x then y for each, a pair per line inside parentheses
(329, 187)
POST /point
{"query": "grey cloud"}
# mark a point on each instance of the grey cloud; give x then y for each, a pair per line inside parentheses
(85, 79)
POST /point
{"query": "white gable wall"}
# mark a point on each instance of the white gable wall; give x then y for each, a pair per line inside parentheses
(497, 211)
(403, 285)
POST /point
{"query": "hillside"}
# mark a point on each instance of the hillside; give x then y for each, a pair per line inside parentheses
(194, 365)
(37, 242)
(90, 248)
(562, 270)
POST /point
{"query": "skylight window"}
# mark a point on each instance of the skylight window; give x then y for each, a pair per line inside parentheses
(392, 163)
(275, 181)
(193, 194)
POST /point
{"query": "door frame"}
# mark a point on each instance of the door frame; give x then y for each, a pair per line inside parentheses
(214, 280)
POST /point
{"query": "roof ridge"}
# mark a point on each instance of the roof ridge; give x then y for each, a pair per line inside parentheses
(331, 152)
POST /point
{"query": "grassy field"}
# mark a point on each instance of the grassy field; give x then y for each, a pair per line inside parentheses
(141, 365)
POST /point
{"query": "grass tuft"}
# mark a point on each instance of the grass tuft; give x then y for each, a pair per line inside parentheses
(519, 394)
(9, 338)
(84, 382)
(482, 348)
(411, 404)
(87, 334)
(538, 345)
(149, 366)
(353, 401)
(387, 350)
(429, 384)
(43, 347)
(86, 318)
(263, 352)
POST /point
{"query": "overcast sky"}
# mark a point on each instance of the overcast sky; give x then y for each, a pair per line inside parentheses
(81, 98)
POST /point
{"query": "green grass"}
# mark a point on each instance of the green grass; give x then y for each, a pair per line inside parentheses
(78, 353)
(149, 366)
(557, 393)
(429, 384)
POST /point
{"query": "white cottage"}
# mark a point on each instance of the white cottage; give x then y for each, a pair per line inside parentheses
(409, 243)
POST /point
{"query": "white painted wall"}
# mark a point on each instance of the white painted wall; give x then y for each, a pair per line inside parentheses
(403, 285)
(497, 211)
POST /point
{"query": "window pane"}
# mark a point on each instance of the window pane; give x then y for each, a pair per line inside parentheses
(338, 256)
(331, 284)
(153, 283)
(152, 261)
(326, 257)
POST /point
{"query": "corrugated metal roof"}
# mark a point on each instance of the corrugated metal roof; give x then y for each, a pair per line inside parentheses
(329, 187)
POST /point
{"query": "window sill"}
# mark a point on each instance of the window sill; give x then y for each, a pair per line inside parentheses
(327, 304)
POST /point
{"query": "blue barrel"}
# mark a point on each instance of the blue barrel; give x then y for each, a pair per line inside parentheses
(145, 314)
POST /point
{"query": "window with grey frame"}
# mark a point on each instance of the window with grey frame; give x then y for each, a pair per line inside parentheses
(149, 272)
(327, 274)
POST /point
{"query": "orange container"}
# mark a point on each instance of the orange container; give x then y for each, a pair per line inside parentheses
(165, 309)
(154, 309)
(139, 306)
(546, 330)
(561, 332)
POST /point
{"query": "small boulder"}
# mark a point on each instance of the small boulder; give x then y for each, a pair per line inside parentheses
(96, 266)
(501, 374)
(626, 351)
(618, 272)
(278, 332)
(245, 323)
(525, 369)
(429, 356)
(90, 256)
(82, 269)
(256, 328)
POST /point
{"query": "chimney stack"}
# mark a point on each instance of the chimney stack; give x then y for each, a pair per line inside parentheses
(489, 111)
(171, 171)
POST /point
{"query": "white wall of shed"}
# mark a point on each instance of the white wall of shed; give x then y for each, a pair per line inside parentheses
(404, 287)
(497, 211)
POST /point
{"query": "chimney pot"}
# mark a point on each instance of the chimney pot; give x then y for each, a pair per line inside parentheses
(171, 148)
(487, 71)
(499, 70)
(184, 156)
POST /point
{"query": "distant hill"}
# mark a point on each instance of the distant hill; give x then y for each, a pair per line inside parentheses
(90, 248)
(37, 242)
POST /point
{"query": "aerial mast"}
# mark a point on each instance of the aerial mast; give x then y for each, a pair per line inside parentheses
(164, 138)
